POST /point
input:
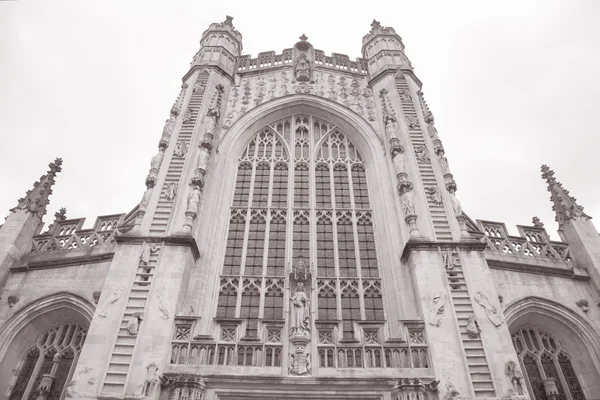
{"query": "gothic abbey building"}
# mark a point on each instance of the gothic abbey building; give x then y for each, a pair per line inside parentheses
(299, 237)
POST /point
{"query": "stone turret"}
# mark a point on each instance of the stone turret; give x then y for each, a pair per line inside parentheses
(25, 220)
(221, 43)
(384, 49)
(574, 226)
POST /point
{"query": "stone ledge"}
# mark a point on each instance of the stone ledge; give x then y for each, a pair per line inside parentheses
(579, 273)
(428, 245)
(56, 262)
(173, 240)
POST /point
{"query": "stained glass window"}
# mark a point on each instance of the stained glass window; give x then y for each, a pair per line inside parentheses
(301, 192)
(53, 353)
(542, 357)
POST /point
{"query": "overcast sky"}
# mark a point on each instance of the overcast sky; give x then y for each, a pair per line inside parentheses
(512, 85)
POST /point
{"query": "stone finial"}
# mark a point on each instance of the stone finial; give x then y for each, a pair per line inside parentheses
(537, 223)
(303, 38)
(375, 25)
(59, 216)
(36, 200)
(564, 205)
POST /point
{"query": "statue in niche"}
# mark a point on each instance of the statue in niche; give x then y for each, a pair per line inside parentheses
(300, 312)
(300, 362)
(422, 154)
(456, 206)
(473, 327)
(515, 376)
(390, 126)
(147, 249)
(112, 299)
(168, 128)
(163, 302)
(437, 309)
(434, 195)
(193, 199)
(211, 119)
(408, 203)
(156, 161)
(171, 190)
(302, 69)
(490, 310)
(152, 381)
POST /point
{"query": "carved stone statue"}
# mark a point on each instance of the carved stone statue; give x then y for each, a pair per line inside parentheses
(456, 206)
(299, 312)
(156, 161)
(152, 380)
(422, 154)
(146, 197)
(408, 203)
(434, 194)
(168, 128)
(193, 199)
(163, 302)
(443, 163)
(437, 309)
(203, 158)
(399, 162)
(473, 327)
(211, 120)
(390, 127)
(171, 190)
(147, 249)
(112, 299)
(490, 310)
(199, 87)
(515, 376)
(448, 259)
(300, 362)
(134, 323)
(432, 131)
(181, 149)
(187, 115)
(302, 69)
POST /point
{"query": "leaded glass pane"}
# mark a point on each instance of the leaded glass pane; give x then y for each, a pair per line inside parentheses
(570, 377)
(24, 375)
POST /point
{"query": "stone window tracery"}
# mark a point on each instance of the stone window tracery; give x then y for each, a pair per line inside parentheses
(542, 356)
(301, 194)
(48, 364)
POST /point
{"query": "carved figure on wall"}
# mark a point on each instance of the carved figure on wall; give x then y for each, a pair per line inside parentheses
(412, 121)
(171, 190)
(181, 149)
(490, 310)
(163, 302)
(303, 68)
(187, 115)
(211, 120)
(448, 259)
(134, 323)
(112, 299)
(422, 154)
(399, 162)
(168, 128)
(299, 312)
(332, 95)
(451, 392)
(437, 309)
(443, 163)
(147, 249)
(515, 376)
(146, 197)
(300, 362)
(193, 199)
(203, 158)
(156, 161)
(456, 206)
(152, 380)
(408, 203)
(199, 87)
(390, 126)
(473, 327)
(434, 195)
(404, 95)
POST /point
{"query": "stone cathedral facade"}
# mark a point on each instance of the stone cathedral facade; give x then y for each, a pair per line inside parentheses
(299, 236)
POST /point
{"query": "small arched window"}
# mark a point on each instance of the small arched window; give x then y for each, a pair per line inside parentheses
(48, 364)
(542, 356)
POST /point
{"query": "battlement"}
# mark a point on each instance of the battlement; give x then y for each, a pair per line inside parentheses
(533, 242)
(268, 59)
(68, 235)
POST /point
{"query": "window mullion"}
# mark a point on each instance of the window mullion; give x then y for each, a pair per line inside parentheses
(34, 374)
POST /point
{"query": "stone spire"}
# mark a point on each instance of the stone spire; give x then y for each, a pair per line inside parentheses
(564, 205)
(35, 200)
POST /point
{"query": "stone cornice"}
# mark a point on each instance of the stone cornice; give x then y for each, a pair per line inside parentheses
(220, 70)
(427, 245)
(380, 76)
(578, 273)
(59, 262)
(174, 240)
(411, 73)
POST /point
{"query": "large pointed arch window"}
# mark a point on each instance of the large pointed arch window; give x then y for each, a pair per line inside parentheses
(48, 365)
(301, 194)
(542, 356)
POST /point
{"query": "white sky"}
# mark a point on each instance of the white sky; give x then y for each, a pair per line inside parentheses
(512, 85)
